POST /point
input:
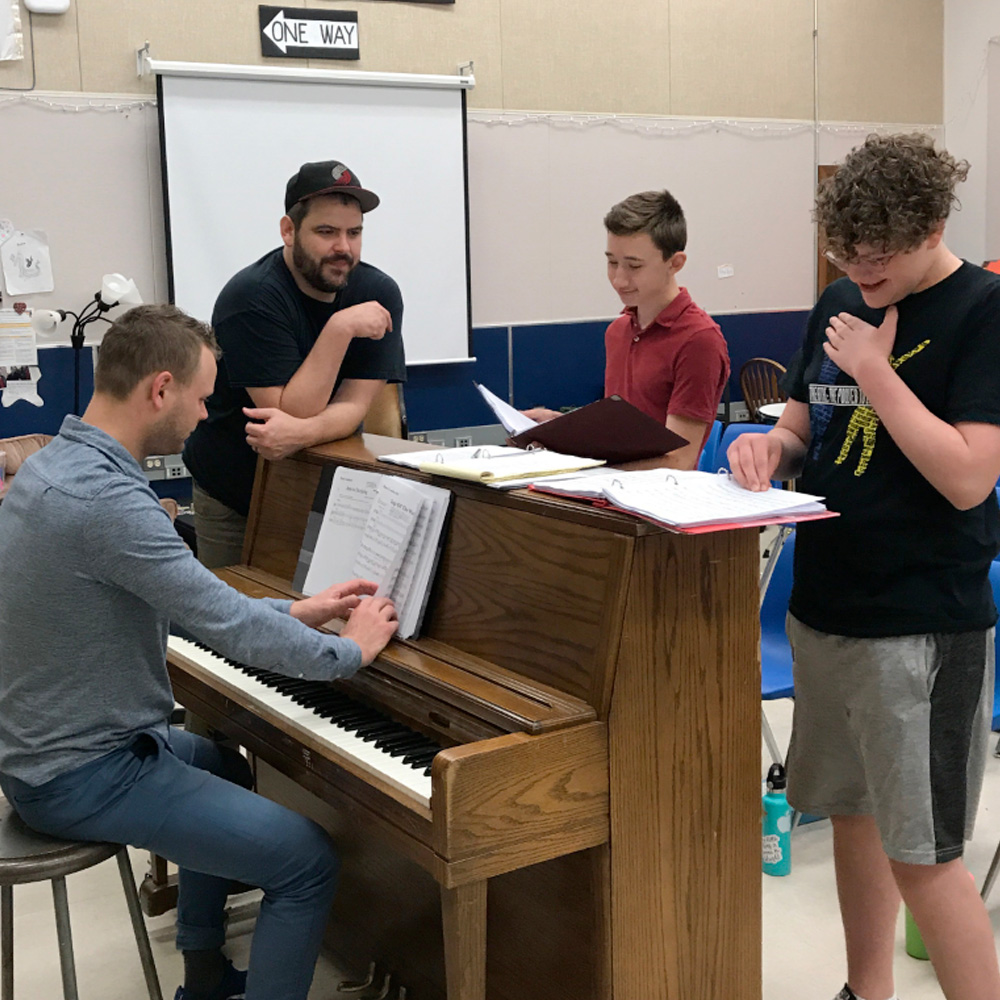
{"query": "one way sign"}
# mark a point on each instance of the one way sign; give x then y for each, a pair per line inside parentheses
(301, 33)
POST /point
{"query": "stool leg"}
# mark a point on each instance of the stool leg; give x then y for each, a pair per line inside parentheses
(7, 942)
(139, 926)
(65, 936)
(991, 875)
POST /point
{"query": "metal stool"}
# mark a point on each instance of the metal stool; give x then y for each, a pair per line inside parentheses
(27, 856)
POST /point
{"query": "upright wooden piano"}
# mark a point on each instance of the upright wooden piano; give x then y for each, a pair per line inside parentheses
(590, 827)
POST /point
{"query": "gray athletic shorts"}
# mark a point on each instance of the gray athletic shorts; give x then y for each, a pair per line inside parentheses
(894, 728)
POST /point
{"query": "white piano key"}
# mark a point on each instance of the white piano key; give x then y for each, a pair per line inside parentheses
(341, 742)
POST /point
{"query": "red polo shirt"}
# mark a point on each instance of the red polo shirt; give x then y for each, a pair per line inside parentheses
(679, 364)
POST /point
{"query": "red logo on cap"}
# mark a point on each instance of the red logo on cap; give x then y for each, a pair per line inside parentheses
(344, 178)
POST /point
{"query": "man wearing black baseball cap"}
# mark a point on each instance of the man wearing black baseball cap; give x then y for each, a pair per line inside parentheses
(309, 336)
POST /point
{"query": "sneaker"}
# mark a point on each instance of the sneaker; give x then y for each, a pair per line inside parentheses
(846, 994)
(232, 987)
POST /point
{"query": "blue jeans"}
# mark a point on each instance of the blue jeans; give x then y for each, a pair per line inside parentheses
(188, 801)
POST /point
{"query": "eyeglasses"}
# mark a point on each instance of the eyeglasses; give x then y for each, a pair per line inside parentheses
(877, 263)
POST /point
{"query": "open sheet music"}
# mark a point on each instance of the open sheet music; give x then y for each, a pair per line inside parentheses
(683, 499)
(514, 421)
(381, 528)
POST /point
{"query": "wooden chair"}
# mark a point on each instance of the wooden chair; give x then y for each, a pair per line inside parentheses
(387, 414)
(759, 384)
(17, 449)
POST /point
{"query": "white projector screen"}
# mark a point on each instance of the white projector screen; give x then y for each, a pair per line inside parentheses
(229, 146)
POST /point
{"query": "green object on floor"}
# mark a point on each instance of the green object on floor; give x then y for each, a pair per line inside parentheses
(914, 942)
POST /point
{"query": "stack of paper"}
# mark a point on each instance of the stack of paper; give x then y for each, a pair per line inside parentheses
(380, 528)
(686, 500)
(491, 463)
(514, 421)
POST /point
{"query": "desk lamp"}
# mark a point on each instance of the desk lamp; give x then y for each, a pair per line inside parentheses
(116, 290)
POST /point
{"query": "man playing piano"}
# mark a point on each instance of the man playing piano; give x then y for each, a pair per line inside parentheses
(86, 751)
(310, 335)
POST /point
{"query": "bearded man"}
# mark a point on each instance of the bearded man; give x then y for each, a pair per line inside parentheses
(309, 336)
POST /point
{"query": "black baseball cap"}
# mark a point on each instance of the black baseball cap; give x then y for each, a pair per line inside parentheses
(327, 177)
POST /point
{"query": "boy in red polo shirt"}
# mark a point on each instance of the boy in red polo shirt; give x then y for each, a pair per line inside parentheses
(664, 355)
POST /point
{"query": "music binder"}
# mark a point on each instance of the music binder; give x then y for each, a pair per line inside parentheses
(383, 528)
(691, 502)
(492, 464)
(610, 429)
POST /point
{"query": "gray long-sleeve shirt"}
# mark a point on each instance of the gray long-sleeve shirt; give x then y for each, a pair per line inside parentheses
(91, 573)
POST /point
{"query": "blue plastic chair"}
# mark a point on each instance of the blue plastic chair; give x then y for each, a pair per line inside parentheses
(706, 460)
(729, 435)
(991, 875)
(995, 584)
(775, 653)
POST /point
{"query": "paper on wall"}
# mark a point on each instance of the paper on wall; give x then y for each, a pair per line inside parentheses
(17, 340)
(11, 36)
(18, 387)
(27, 265)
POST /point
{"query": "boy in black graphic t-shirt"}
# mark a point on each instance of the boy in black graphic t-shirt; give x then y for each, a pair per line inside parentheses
(894, 417)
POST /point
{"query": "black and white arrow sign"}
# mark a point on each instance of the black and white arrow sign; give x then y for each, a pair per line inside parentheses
(301, 33)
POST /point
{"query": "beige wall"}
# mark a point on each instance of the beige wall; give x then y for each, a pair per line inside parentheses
(724, 58)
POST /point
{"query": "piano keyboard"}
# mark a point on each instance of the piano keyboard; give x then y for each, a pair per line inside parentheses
(376, 743)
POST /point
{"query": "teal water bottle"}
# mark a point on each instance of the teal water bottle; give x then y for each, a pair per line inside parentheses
(776, 844)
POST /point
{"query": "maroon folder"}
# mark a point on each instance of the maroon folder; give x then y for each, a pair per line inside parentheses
(610, 429)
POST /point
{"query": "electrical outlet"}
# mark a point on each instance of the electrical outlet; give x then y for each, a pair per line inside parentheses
(463, 442)
(177, 472)
(419, 437)
(154, 467)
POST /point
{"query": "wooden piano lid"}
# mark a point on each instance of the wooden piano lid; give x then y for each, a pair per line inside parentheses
(499, 697)
(536, 585)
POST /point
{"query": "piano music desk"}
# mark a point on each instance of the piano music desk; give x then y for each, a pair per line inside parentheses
(592, 828)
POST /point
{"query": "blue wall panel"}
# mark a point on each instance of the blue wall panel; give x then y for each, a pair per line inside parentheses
(56, 389)
(444, 396)
(558, 364)
(555, 364)
(760, 335)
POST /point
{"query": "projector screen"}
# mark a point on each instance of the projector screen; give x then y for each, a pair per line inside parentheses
(228, 147)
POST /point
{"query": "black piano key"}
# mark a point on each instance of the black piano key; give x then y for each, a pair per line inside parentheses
(400, 747)
(375, 725)
(374, 730)
(405, 739)
(393, 738)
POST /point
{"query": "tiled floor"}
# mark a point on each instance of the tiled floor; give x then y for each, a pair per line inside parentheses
(802, 948)
(803, 945)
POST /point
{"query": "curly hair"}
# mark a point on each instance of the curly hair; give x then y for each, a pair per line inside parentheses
(891, 193)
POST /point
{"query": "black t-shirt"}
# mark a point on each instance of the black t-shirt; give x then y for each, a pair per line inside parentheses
(266, 326)
(900, 560)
